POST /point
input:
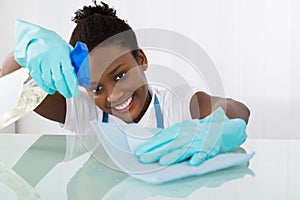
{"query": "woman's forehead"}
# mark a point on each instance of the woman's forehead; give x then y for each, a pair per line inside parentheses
(106, 58)
(106, 55)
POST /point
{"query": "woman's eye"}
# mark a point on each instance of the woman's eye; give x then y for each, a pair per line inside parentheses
(119, 76)
(96, 90)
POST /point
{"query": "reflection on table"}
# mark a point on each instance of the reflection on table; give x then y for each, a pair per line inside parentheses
(44, 168)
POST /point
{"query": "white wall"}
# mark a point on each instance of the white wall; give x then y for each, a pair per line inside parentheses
(255, 46)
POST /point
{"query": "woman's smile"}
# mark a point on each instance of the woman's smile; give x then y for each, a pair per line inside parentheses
(125, 106)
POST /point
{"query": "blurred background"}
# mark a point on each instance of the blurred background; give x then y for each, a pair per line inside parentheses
(255, 46)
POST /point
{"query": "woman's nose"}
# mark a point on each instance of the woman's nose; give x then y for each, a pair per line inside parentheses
(113, 95)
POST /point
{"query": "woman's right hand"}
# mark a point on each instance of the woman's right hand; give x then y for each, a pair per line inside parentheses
(47, 56)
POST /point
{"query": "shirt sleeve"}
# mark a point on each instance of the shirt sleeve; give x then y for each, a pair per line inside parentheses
(176, 104)
(80, 111)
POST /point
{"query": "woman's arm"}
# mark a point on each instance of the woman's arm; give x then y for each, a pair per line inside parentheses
(9, 65)
(53, 107)
(202, 105)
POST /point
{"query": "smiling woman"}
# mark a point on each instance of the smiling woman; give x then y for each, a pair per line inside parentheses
(245, 38)
(120, 91)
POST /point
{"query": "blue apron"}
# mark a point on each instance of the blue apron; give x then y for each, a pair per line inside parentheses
(158, 114)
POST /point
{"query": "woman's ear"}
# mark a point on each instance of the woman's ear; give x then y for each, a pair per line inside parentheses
(142, 59)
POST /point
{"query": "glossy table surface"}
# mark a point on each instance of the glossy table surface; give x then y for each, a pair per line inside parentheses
(33, 167)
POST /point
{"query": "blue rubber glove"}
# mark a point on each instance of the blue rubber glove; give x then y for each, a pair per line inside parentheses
(47, 56)
(195, 140)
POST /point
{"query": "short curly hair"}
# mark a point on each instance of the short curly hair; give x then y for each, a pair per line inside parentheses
(97, 23)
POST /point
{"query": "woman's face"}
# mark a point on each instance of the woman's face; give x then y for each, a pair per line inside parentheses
(118, 83)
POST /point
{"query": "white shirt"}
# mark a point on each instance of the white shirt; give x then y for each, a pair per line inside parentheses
(175, 108)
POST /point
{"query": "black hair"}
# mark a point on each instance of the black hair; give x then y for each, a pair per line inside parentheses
(97, 23)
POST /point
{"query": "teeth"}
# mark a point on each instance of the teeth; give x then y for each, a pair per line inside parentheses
(124, 105)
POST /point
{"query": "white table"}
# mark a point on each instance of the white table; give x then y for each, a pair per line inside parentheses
(273, 173)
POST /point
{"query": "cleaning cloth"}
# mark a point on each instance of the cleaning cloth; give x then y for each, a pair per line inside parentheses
(120, 141)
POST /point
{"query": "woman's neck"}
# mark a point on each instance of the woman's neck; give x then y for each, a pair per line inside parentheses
(145, 107)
